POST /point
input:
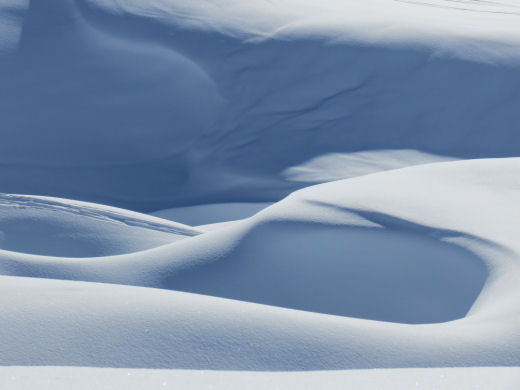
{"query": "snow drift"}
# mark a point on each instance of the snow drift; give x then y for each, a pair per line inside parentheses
(49, 226)
(155, 104)
(217, 117)
(342, 248)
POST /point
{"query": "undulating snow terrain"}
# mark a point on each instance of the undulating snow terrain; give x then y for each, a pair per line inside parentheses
(260, 194)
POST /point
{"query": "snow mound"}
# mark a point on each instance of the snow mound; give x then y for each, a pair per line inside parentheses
(420, 261)
(212, 110)
(58, 227)
(366, 273)
(337, 166)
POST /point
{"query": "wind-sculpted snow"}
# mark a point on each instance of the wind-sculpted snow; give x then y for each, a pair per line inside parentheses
(418, 21)
(337, 166)
(330, 185)
(157, 104)
(47, 226)
(344, 248)
(505, 378)
(10, 23)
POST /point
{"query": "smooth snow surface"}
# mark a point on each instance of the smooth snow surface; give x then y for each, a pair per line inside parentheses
(65, 378)
(344, 248)
(57, 227)
(211, 213)
(337, 166)
(331, 192)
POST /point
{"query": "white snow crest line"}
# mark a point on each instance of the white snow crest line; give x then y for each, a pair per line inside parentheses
(431, 23)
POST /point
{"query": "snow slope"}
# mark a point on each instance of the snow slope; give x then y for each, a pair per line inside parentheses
(58, 227)
(396, 379)
(391, 258)
(331, 186)
(211, 213)
(157, 104)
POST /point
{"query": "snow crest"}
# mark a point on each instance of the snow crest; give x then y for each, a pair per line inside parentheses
(329, 185)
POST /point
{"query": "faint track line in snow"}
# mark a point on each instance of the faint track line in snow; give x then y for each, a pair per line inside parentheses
(455, 8)
(9, 200)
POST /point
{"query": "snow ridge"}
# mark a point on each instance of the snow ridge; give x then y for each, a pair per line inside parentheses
(331, 187)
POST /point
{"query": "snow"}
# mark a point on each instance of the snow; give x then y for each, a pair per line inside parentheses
(373, 20)
(211, 213)
(327, 249)
(230, 194)
(185, 102)
(50, 226)
(10, 23)
(396, 379)
(337, 166)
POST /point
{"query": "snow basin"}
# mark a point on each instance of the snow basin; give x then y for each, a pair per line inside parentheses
(377, 274)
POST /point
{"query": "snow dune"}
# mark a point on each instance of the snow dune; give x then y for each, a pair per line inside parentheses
(398, 379)
(330, 186)
(337, 166)
(59, 227)
(341, 248)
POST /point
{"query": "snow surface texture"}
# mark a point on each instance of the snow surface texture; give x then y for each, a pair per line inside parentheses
(398, 267)
(342, 248)
(50, 226)
(164, 103)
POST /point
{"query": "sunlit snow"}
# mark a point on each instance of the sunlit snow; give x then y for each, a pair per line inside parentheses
(259, 194)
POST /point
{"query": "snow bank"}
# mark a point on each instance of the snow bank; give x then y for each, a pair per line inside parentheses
(58, 227)
(487, 25)
(156, 104)
(211, 110)
(375, 247)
